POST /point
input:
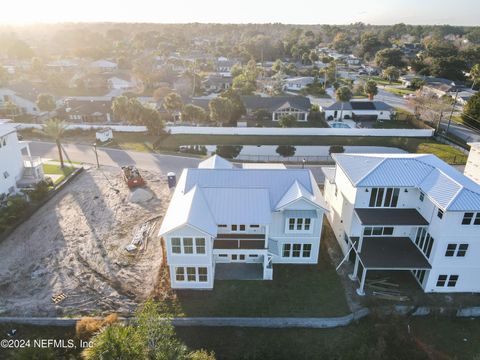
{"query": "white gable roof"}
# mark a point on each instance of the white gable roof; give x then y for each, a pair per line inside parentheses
(205, 198)
(444, 185)
(188, 209)
(215, 162)
(296, 192)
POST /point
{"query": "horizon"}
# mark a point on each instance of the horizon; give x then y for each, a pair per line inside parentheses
(430, 12)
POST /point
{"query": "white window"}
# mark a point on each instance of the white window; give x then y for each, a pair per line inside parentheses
(202, 274)
(188, 245)
(237, 227)
(191, 274)
(449, 281)
(200, 245)
(440, 213)
(424, 241)
(180, 274)
(459, 250)
(378, 231)
(299, 224)
(176, 246)
(296, 250)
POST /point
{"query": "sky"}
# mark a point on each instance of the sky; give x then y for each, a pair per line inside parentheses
(456, 12)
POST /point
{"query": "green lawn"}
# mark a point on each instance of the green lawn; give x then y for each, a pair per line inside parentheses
(445, 152)
(296, 290)
(370, 338)
(380, 81)
(393, 124)
(399, 92)
(51, 169)
(174, 141)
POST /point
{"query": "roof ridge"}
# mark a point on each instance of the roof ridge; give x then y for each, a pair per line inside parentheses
(371, 170)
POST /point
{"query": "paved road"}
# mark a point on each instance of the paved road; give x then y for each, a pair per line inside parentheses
(146, 161)
(115, 157)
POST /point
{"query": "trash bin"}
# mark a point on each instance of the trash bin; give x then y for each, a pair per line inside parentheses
(172, 179)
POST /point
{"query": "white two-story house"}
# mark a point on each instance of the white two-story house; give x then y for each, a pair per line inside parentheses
(17, 166)
(406, 212)
(221, 216)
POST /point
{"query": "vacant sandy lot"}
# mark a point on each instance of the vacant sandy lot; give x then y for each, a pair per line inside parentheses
(75, 245)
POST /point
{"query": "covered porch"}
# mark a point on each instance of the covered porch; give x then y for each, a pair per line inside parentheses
(386, 254)
(243, 271)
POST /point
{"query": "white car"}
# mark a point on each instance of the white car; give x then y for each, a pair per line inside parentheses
(409, 96)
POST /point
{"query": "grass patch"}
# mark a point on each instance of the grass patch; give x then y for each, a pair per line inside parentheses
(368, 339)
(445, 152)
(52, 169)
(172, 142)
(380, 81)
(399, 92)
(296, 290)
(393, 124)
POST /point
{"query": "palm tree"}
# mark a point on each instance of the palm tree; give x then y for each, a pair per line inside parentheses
(343, 95)
(55, 129)
(371, 89)
(475, 74)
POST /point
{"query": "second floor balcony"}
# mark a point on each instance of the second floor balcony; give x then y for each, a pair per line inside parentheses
(239, 241)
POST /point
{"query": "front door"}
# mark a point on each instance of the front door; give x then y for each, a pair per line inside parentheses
(237, 257)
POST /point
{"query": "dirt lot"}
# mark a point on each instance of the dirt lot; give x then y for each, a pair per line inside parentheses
(75, 245)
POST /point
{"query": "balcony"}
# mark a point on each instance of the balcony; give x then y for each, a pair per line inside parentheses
(32, 161)
(240, 241)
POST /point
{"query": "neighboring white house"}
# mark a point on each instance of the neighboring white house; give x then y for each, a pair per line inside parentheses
(225, 222)
(103, 66)
(24, 106)
(406, 212)
(472, 168)
(298, 83)
(120, 84)
(359, 111)
(16, 163)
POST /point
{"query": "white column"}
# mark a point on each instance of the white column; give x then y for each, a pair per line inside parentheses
(360, 290)
(353, 276)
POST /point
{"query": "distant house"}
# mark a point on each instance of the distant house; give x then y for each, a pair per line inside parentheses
(359, 111)
(217, 82)
(116, 82)
(24, 105)
(225, 65)
(432, 85)
(298, 83)
(17, 166)
(225, 222)
(279, 106)
(97, 110)
(103, 66)
(463, 95)
(62, 65)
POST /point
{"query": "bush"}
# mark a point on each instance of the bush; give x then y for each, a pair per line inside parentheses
(228, 151)
(87, 326)
(41, 190)
(286, 150)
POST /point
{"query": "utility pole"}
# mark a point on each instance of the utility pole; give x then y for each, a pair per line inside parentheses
(451, 113)
(96, 154)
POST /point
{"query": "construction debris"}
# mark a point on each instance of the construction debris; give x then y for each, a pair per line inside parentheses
(58, 298)
(383, 289)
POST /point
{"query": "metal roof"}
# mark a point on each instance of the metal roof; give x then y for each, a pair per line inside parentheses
(215, 162)
(238, 206)
(444, 185)
(312, 214)
(295, 192)
(360, 105)
(205, 197)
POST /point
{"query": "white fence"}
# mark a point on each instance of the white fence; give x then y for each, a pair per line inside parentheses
(299, 131)
(119, 128)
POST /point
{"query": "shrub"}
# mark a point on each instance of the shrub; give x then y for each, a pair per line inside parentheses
(40, 191)
(87, 326)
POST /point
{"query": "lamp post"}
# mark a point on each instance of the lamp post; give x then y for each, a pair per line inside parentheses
(96, 154)
(303, 163)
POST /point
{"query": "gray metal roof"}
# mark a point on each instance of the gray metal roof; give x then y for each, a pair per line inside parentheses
(444, 185)
(206, 197)
(357, 106)
(275, 102)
